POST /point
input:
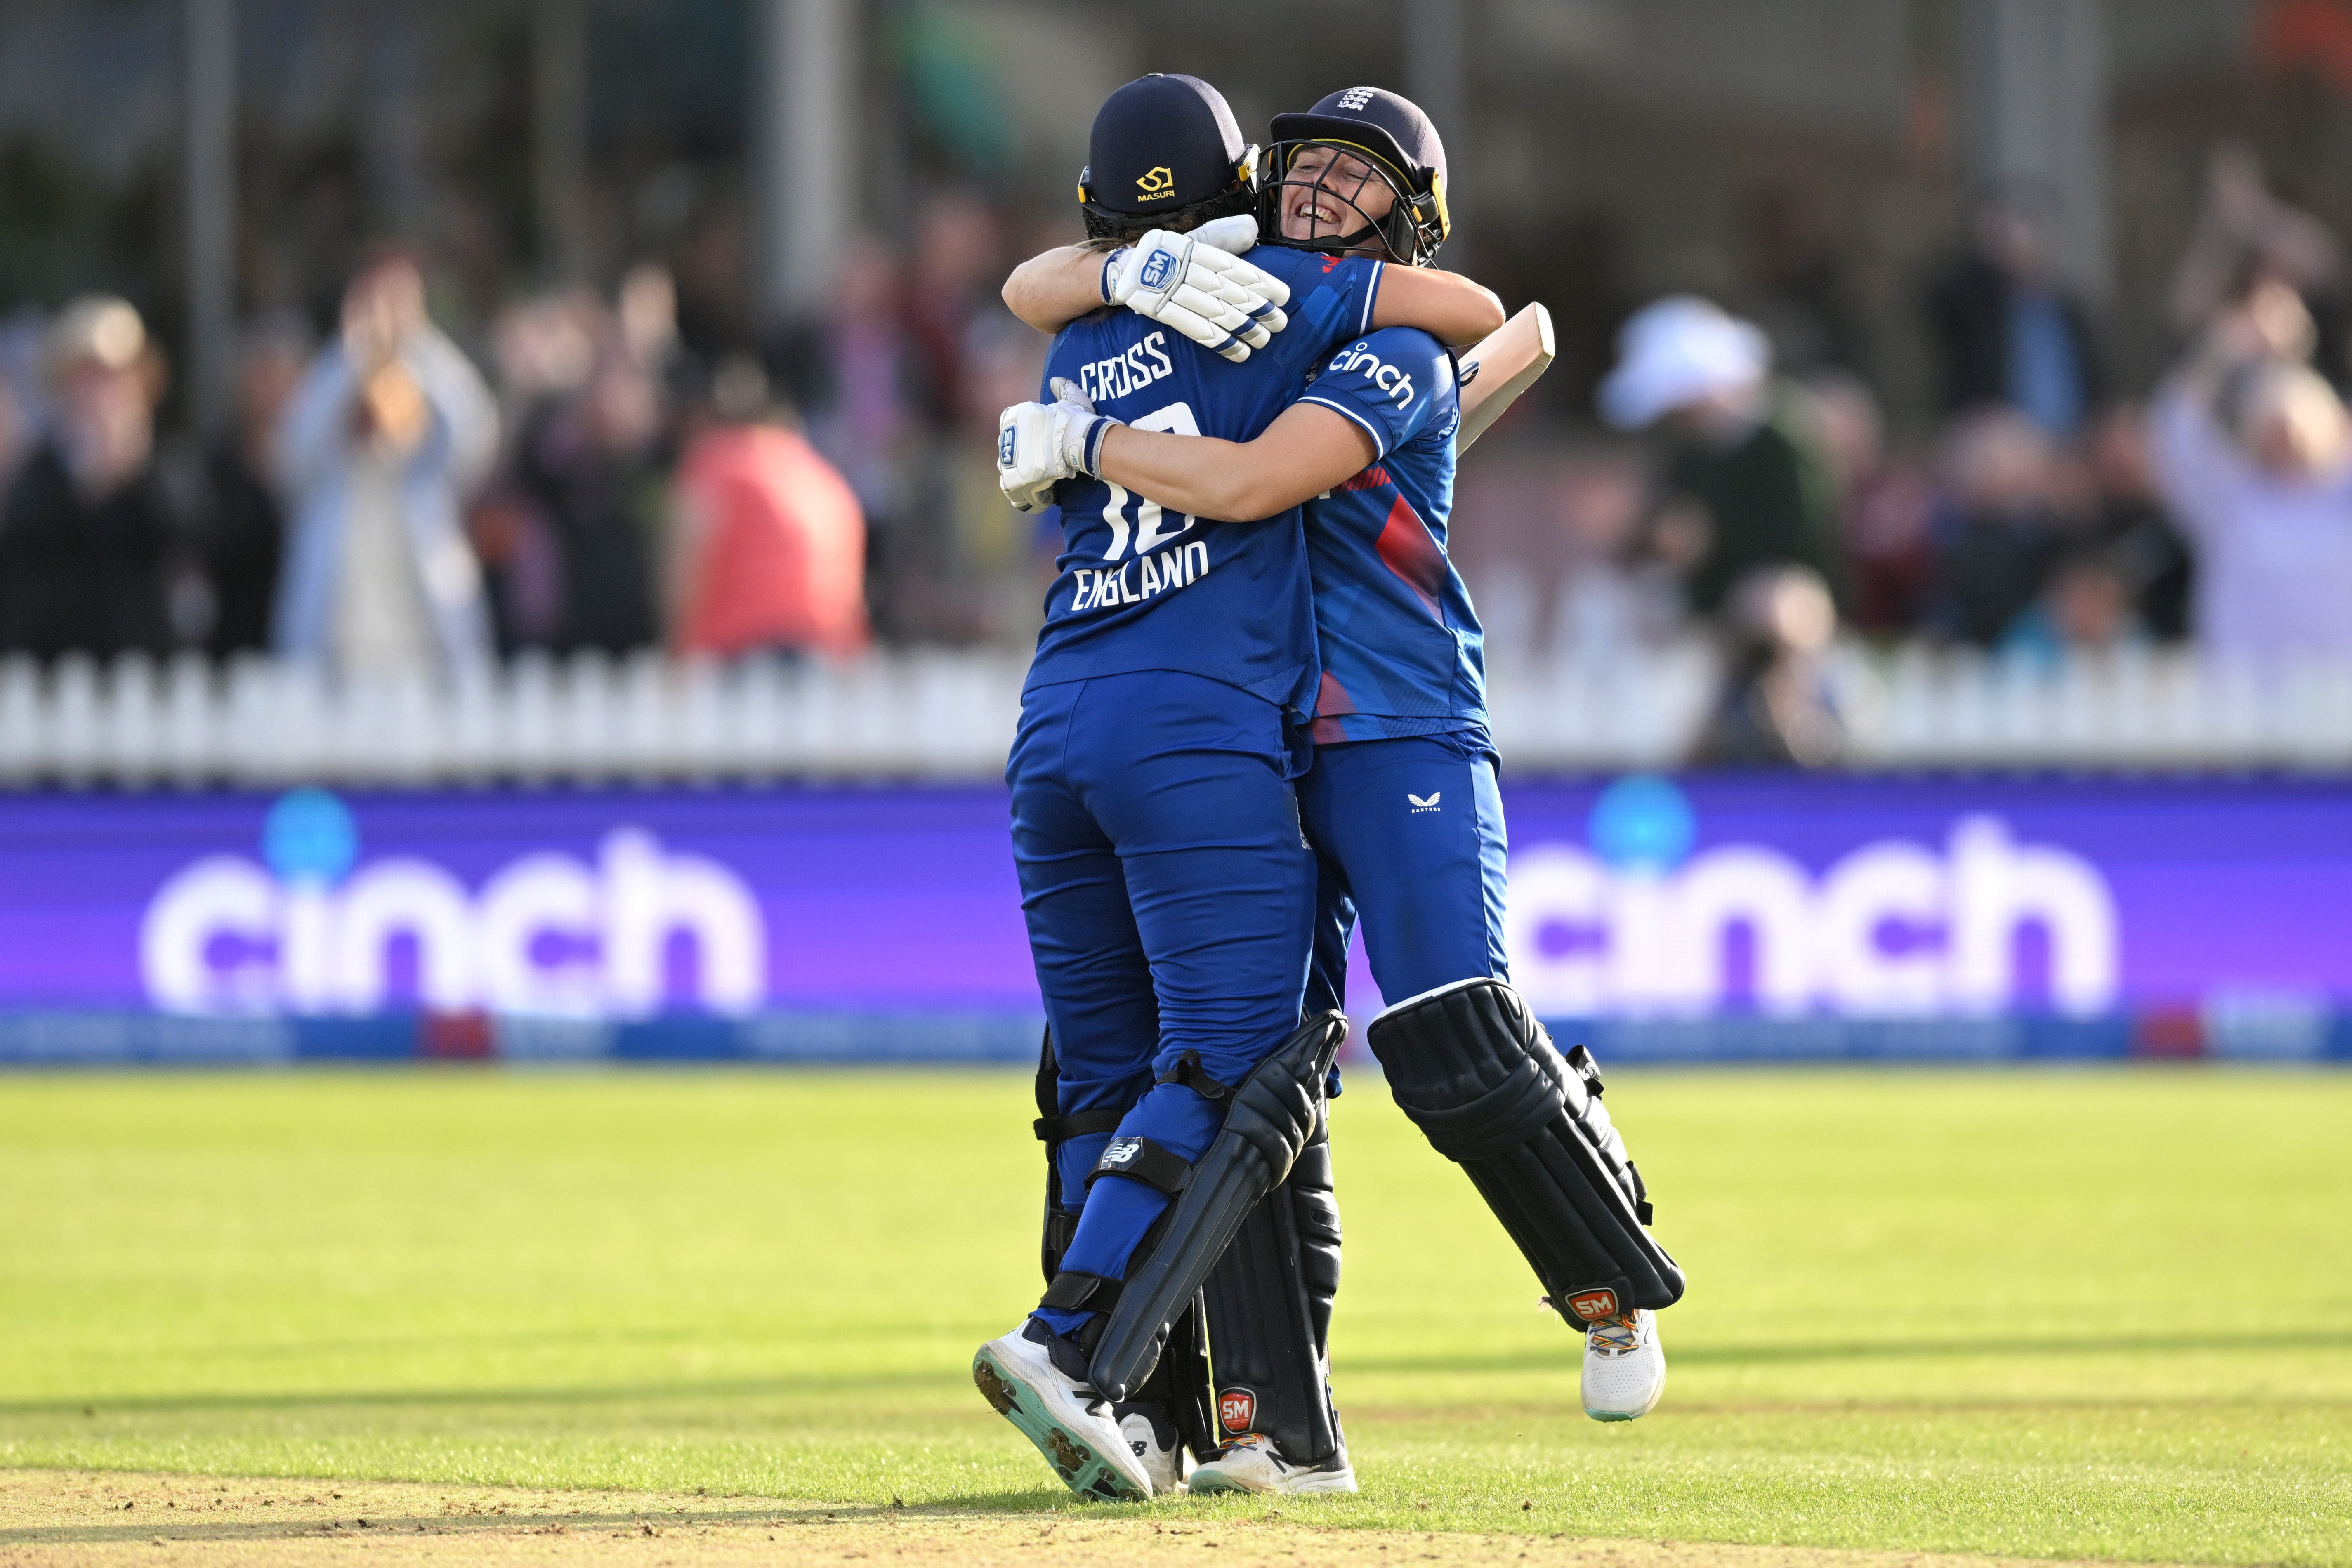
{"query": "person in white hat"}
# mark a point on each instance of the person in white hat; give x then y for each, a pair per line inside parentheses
(1744, 461)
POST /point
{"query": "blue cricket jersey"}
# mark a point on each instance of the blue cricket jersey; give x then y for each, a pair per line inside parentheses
(1145, 588)
(1402, 651)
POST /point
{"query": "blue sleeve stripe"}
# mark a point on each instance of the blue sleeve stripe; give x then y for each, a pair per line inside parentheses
(1379, 440)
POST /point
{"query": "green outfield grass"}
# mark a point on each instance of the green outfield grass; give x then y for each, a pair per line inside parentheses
(2042, 1313)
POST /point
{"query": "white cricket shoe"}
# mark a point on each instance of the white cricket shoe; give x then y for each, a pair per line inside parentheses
(1250, 1463)
(1151, 1438)
(1069, 1422)
(1625, 1370)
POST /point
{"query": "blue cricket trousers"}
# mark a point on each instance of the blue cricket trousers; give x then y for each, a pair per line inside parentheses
(1408, 833)
(1170, 897)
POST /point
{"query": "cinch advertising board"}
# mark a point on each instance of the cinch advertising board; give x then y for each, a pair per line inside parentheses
(1709, 917)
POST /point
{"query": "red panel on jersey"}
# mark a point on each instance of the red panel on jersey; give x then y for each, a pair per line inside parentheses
(1409, 551)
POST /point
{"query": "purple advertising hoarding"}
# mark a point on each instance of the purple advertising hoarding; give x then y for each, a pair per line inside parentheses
(1716, 915)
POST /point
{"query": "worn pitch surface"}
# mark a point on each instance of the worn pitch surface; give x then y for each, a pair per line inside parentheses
(74, 1519)
(2062, 1314)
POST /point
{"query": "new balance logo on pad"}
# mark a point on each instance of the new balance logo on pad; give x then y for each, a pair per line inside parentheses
(1420, 805)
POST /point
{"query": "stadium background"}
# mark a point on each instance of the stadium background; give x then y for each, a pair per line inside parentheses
(570, 1090)
(227, 167)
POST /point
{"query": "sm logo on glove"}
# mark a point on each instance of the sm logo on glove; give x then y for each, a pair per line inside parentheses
(1007, 441)
(1156, 268)
(1156, 182)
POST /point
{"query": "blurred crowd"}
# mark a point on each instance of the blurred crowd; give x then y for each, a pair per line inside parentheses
(587, 478)
(386, 501)
(2043, 517)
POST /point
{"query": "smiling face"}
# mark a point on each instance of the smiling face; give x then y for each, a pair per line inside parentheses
(1330, 194)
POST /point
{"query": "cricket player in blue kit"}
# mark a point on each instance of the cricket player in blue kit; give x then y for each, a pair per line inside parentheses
(1400, 804)
(1167, 890)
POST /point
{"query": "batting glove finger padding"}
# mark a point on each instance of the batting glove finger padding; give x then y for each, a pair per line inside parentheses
(1213, 326)
(1251, 280)
(1038, 444)
(1235, 236)
(1173, 279)
(1234, 308)
(1024, 462)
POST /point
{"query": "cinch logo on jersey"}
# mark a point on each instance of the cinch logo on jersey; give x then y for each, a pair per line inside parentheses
(1099, 590)
(1358, 357)
(1127, 372)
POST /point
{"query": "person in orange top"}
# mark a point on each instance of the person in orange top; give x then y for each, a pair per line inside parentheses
(768, 550)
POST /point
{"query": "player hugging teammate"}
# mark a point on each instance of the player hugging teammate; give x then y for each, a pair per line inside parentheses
(1256, 633)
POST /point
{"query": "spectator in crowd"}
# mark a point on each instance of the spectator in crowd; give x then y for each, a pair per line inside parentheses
(2253, 451)
(2010, 335)
(90, 548)
(1547, 542)
(1884, 507)
(16, 431)
(388, 434)
(1998, 527)
(1795, 285)
(2087, 607)
(543, 348)
(1745, 469)
(949, 316)
(1776, 706)
(2245, 237)
(852, 373)
(244, 532)
(590, 466)
(768, 546)
(23, 333)
(2135, 533)
(952, 279)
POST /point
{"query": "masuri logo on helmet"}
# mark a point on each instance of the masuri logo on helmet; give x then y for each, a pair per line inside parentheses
(1173, 139)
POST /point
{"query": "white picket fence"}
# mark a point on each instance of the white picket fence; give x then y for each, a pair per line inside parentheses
(943, 715)
(2136, 709)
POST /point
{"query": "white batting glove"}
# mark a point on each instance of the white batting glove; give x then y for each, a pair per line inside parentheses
(1222, 244)
(1235, 236)
(1038, 444)
(1215, 299)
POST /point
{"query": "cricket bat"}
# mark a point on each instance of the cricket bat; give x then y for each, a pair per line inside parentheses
(1505, 363)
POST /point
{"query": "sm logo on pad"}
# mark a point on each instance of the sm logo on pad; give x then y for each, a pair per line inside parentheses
(1593, 1306)
(1236, 1410)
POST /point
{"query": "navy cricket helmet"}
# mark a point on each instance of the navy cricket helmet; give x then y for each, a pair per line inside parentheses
(1165, 154)
(1378, 134)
